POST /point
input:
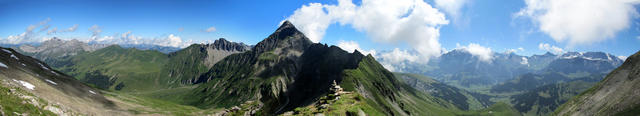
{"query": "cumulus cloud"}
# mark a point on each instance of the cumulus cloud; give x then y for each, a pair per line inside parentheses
(174, 41)
(96, 30)
(451, 6)
(411, 21)
(397, 59)
(312, 20)
(580, 21)
(550, 48)
(351, 46)
(481, 52)
(210, 29)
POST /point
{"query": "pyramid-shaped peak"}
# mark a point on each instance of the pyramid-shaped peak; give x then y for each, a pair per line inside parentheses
(287, 26)
(286, 36)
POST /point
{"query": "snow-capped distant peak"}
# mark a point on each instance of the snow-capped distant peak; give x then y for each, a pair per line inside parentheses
(524, 61)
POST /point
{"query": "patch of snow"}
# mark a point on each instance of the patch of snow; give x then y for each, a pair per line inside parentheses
(43, 66)
(92, 92)
(524, 61)
(54, 83)
(55, 73)
(5, 50)
(570, 57)
(609, 57)
(3, 65)
(26, 84)
(591, 58)
(14, 57)
(24, 64)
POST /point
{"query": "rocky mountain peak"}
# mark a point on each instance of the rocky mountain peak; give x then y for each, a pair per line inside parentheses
(223, 44)
(285, 37)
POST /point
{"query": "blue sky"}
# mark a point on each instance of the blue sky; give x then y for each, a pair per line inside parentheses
(488, 23)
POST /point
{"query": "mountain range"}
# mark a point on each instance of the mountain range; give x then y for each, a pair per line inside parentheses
(461, 68)
(616, 94)
(287, 74)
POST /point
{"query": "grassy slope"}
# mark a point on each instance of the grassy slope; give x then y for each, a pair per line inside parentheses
(10, 102)
(185, 65)
(142, 105)
(382, 91)
(460, 98)
(136, 68)
(544, 100)
(371, 76)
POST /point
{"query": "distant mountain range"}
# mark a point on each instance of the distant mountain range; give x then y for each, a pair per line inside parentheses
(462, 69)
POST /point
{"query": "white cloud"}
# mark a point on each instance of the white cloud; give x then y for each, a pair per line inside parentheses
(351, 46)
(73, 28)
(451, 6)
(521, 49)
(580, 21)
(483, 53)
(174, 41)
(28, 36)
(411, 21)
(96, 30)
(210, 29)
(312, 20)
(389, 67)
(397, 59)
(550, 48)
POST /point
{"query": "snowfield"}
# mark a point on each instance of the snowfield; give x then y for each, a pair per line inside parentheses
(26, 84)
(14, 57)
(3, 65)
(43, 66)
(5, 50)
(54, 83)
